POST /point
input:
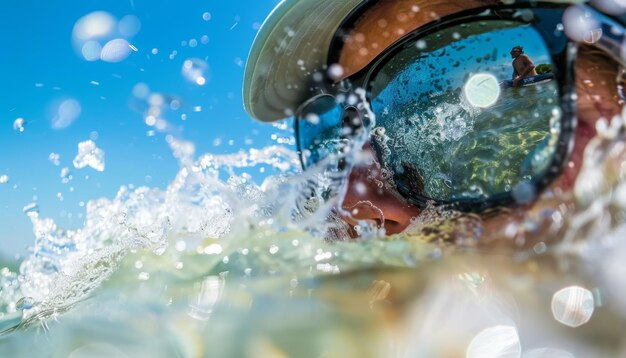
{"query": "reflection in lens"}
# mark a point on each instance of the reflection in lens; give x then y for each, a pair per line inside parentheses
(320, 129)
(456, 119)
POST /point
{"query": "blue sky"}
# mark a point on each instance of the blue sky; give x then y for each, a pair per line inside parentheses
(42, 67)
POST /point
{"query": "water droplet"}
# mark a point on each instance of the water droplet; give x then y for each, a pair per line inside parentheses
(91, 50)
(32, 209)
(115, 50)
(580, 25)
(89, 155)
(18, 124)
(210, 292)
(67, 113)
(141, 90)
(95, 24)
(65, 175)
(181, 246)
(335, 71)
(143, 276)
(196, 71)
(213, 249)
(54, 158)
(4, 179)
(540, 248)
(129, 26)
(498, 341)
(25, 303)
(293, 283)
(273, 249)
(160, 249)
(206, 16)
(524, 192)
(573, 306)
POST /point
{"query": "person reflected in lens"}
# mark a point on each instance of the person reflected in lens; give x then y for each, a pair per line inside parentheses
(435, 140)
(523, 66)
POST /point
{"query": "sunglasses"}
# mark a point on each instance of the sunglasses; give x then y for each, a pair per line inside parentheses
(441, 115)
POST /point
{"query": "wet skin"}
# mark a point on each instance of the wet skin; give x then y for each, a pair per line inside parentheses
(390, 20)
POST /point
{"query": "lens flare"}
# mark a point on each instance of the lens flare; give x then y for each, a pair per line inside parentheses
(482, 90)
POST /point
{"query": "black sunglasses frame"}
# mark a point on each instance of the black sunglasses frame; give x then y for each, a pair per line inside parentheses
(543, 17)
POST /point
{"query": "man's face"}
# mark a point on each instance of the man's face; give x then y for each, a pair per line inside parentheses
(389, 20)
(515, 53)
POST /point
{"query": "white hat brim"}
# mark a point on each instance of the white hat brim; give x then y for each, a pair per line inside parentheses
(290, 46)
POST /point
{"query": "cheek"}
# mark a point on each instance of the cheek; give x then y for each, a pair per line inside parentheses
(596, 86)
(584, 133)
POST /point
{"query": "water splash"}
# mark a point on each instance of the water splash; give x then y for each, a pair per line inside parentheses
(215, 246)
(89, 155)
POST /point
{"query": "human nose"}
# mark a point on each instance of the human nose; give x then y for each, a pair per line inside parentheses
(368, 198)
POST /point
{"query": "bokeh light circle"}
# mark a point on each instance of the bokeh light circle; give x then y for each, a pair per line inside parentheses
(573, 306)
(482, 90)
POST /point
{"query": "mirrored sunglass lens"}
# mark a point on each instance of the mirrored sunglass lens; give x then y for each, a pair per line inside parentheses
(319, 129)
(451, 121)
